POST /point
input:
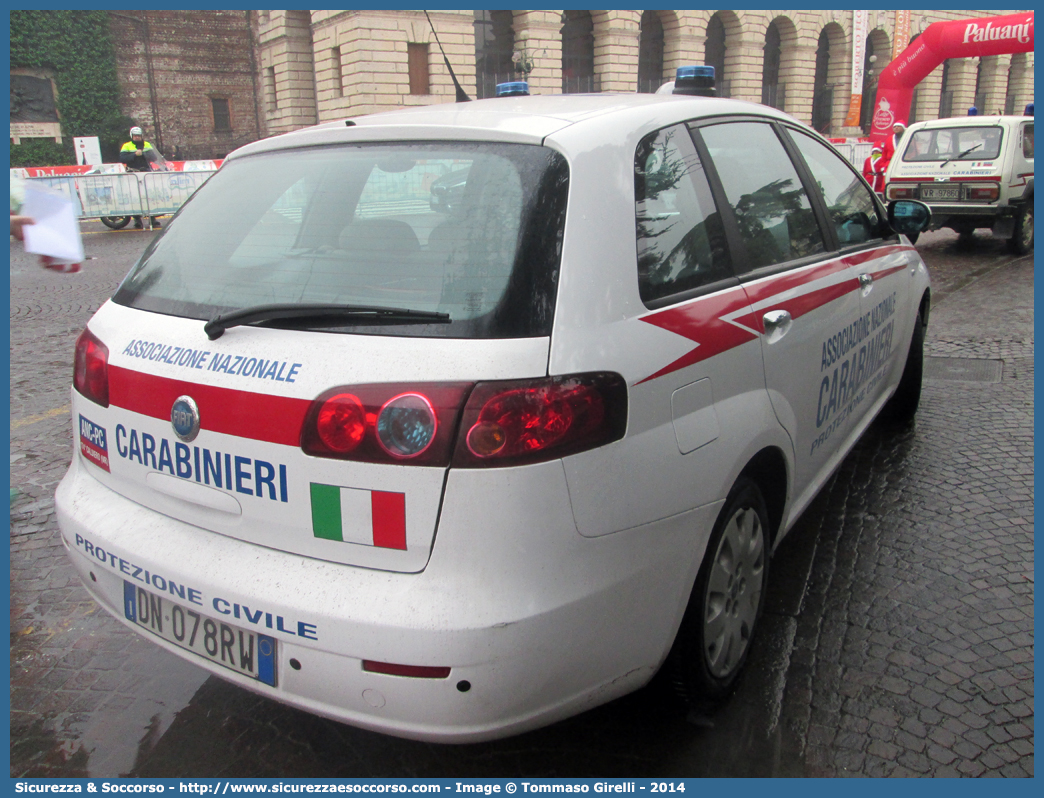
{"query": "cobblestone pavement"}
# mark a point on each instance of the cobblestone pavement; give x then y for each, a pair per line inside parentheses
(898, 637)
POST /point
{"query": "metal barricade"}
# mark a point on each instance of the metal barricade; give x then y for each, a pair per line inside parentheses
(860, 152)
(129, 194)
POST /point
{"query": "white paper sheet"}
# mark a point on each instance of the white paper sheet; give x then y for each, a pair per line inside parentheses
(56, 231)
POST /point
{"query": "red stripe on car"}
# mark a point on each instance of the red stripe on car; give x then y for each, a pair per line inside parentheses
(258, 416)
(702, 320)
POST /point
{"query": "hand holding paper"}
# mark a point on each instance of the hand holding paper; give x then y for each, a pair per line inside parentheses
(56, 233)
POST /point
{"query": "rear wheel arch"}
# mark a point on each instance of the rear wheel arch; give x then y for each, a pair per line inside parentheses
(768, 470)
(924, 308)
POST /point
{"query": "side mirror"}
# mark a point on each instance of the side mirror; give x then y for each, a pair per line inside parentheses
(909, 217)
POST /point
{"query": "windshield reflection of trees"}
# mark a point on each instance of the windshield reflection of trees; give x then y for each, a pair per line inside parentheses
(776, 223)
(672, 259)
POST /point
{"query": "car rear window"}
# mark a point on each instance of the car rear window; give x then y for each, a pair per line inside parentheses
(954, 144)
(471, 230)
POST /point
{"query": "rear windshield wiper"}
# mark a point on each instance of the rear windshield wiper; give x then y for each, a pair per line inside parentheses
(216, 327)
(970, 149)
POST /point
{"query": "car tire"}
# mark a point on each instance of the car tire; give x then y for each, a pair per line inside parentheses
(1021, 241)
(115, 222)
(902, 407)
(726, 602)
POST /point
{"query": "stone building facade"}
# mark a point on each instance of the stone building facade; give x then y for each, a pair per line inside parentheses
(322, 65)
(202, 83)
(190, 79)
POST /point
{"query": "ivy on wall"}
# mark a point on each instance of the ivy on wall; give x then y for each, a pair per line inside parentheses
(76, 46)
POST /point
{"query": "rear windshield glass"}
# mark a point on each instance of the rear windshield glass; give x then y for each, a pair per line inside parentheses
(954, 144)
(470, 230)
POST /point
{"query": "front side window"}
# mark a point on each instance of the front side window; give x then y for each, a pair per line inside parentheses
(775, 216)
(849, 203)
(1027, 142)
(955, 144)
(681, 242)
(470, 230)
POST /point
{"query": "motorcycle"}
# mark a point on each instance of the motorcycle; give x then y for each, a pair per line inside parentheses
(157, 163)
(115, 222)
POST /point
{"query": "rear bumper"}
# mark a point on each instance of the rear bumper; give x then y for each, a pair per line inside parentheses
(1001, 219)
(540, 622)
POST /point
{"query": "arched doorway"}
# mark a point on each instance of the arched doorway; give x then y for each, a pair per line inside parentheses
(780, 62)
(650, 53)
(715, 53)
(946, 93)
(980, 96)
(823, 92)
(914, 109)
(878, 54)
(1016, 73)
(578, 53)
(770, 67)
(494, 46)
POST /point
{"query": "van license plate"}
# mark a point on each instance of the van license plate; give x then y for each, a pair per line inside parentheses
(240, 650)
(940, 192)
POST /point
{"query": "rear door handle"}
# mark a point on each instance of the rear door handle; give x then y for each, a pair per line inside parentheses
(777, 324)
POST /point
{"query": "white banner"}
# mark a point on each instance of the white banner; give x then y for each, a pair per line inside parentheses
(88, 150)
(860, 24)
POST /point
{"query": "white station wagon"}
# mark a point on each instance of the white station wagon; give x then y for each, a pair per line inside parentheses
(455, 465)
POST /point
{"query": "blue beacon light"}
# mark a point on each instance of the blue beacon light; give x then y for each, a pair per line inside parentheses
(517, 88)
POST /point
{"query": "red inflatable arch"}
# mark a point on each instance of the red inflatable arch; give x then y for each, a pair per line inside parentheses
(960, 38)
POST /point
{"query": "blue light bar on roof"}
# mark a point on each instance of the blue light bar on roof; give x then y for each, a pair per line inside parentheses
(695, 80)
(517, 88)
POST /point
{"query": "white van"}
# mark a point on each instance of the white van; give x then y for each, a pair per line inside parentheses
(973, 172)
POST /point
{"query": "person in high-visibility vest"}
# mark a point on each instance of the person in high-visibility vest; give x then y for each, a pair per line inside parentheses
(137, 155)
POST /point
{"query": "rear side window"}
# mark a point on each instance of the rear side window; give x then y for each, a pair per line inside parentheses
(1027, 142)
(775, 216)
(681, 241)
(471, 230)
(849, 204)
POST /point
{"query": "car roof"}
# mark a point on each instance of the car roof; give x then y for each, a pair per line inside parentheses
(526, 119)
(970, 121)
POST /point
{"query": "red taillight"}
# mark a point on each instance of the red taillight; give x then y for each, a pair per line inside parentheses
(389, 423)
(504, 423)
(536, 420)
(897, 192)
(983, 193)
(341, 423)
(91, 368)
(416, 671)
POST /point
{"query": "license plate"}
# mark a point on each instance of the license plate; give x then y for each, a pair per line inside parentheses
(240, 650)
(940, 192)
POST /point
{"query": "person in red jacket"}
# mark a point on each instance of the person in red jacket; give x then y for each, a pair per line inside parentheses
(893, 141)
(872, 170)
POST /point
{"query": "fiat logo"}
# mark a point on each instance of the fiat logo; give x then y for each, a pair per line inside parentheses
(184, 417)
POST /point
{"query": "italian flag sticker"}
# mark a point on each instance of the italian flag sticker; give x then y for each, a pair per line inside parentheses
(353, 515)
